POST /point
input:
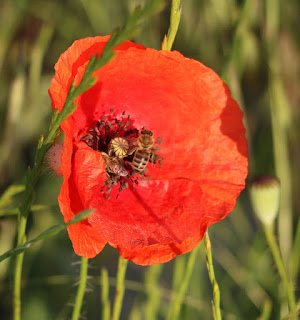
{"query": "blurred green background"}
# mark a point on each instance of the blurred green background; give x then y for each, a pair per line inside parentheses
(254, 46)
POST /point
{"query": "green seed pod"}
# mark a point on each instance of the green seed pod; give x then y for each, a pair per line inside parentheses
(265, 195)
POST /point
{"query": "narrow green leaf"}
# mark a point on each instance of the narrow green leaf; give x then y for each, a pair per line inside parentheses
(41, 141)
(36, 207)
(7, 195)
(46, 234)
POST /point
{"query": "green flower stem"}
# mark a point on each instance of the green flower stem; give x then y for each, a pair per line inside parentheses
(267, 310)
(281, 124)
(178, 270)
(235, 45)
(20, 251)
(174, 23)
(231, 73)
(211, 273)
(153, 291)
(120, 288)
(295, 258)
(279, 112)
(241, 275)
(268, 230)
(31, 179)
(17, 287)
(105, 295)
(18, 270)
(178, 295)
(81, 288)
(23, 246)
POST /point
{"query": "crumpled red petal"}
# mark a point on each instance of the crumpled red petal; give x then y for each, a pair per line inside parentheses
(157, 253)
(204, 150)
(86, 241)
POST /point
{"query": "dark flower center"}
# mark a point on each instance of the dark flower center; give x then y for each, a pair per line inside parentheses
(125, 149)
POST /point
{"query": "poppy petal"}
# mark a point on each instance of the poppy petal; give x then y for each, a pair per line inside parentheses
(157, 253)
(203, 145)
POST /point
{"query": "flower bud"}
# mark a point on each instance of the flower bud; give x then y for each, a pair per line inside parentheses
(53, 158)
(265, 195)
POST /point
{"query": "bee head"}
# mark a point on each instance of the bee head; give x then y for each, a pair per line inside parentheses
(145, 139)
(148, 132)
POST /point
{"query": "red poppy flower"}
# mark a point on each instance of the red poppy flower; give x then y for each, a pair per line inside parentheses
(204, 151)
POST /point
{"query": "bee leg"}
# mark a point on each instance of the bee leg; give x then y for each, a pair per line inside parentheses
(152, 158)
(110, 152)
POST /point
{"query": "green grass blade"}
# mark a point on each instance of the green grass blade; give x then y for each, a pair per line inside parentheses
(7, 195)
(46, 234)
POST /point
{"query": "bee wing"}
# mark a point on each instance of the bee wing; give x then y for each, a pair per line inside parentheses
(132, 145)
(132, 149)
(123, 172)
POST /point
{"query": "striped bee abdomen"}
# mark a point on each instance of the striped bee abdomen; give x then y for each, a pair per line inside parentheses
(140, 160)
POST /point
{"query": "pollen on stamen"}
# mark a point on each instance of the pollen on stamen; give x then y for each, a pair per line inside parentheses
(53, 158)
(109, 136)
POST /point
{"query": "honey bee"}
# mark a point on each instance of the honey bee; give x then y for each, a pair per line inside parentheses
(118, 147)
(144, 151)
(114, 165)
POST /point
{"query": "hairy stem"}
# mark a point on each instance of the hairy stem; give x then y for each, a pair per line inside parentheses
(213, 281)
(120, 288)
(281, 269)
(81, 288)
